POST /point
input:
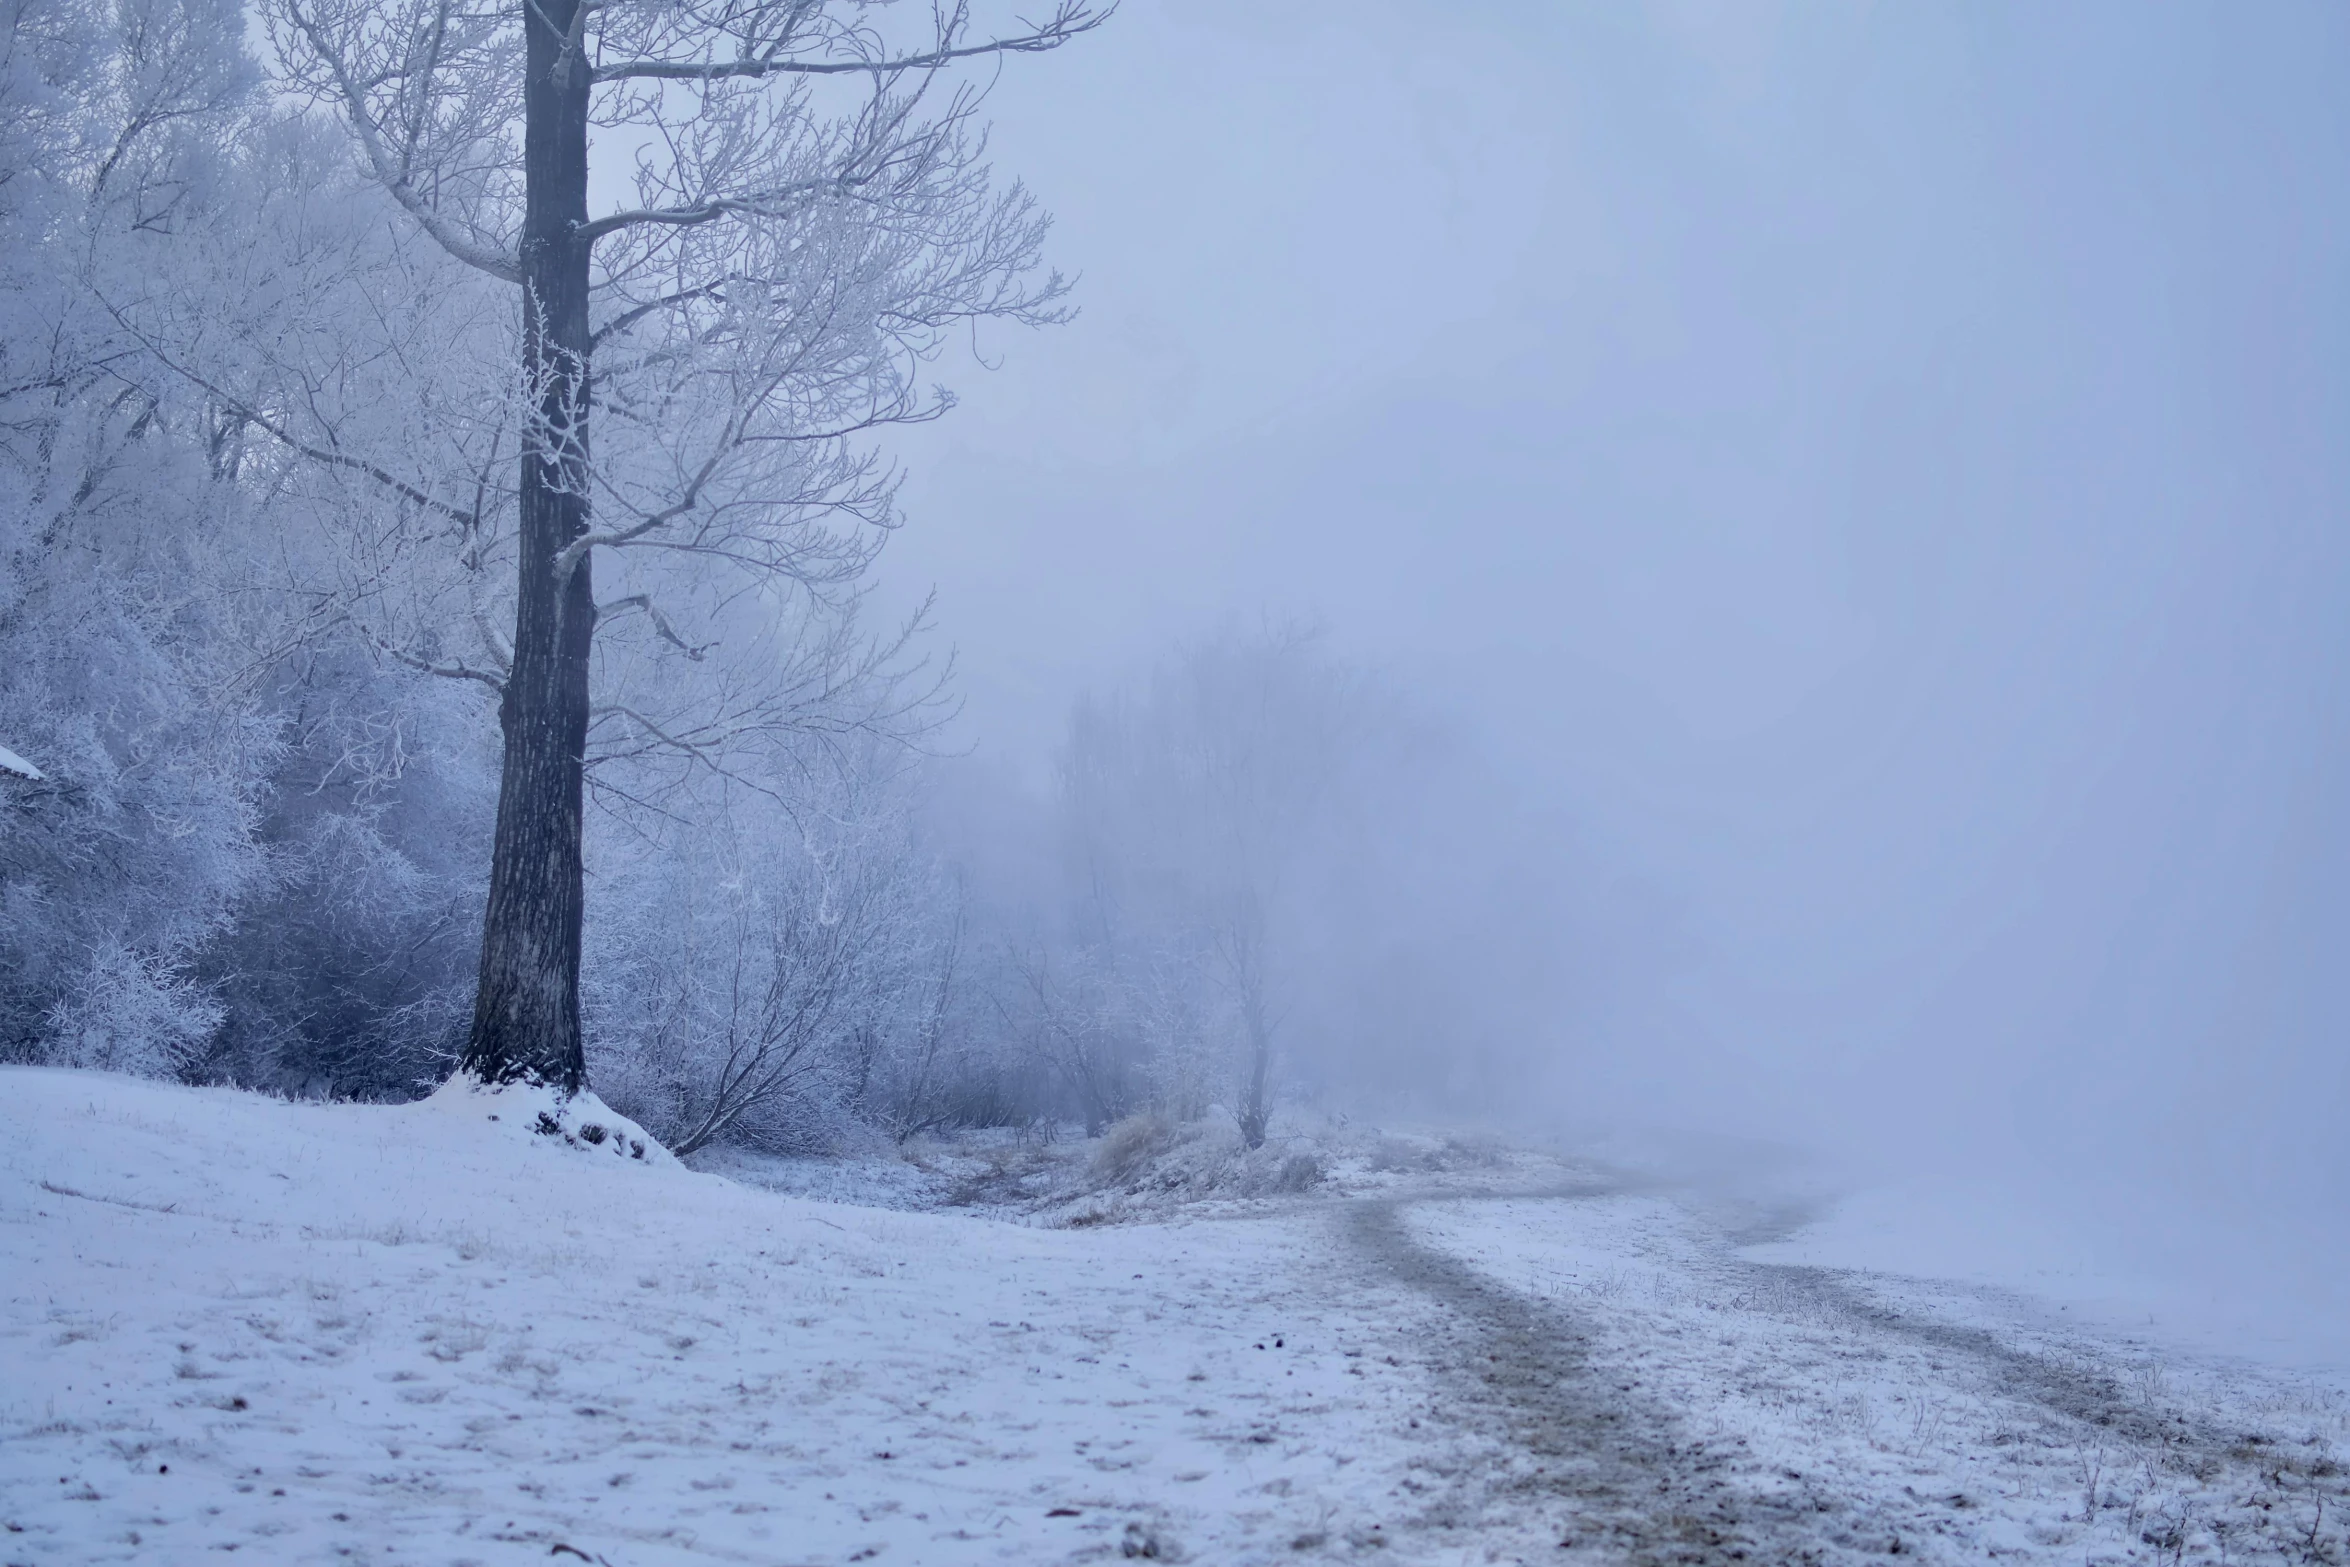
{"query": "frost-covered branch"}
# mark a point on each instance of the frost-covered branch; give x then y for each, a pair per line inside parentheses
(776, 40)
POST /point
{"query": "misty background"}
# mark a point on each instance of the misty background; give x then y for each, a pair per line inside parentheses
(1869, 483)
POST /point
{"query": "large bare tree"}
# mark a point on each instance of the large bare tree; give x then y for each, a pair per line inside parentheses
(795, 214)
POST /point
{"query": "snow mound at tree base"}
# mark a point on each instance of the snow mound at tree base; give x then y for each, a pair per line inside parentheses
(535, 1110)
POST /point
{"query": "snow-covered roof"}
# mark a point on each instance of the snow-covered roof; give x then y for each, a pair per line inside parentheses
(16, 766)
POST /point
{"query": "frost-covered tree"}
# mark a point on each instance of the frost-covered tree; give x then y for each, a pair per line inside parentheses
(1193, 801)
(234, 862)
(727, 235)
(122, 629)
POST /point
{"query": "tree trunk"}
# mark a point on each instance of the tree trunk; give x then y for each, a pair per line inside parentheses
(526, 1014)
(1257, 1108)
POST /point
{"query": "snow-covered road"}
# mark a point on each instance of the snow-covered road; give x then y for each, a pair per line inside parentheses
(344, 1334)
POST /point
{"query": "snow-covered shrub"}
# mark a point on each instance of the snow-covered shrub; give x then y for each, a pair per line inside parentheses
(769, 970)
(1149, 1161)
(130, 1011)
(136, 849)
(1128, 1144)
(118, 677)
(350, 974)
(1298, 1172)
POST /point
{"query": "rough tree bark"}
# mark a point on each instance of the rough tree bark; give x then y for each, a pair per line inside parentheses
(526, 1013)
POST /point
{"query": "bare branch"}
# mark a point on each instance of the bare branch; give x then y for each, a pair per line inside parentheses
(628, 318)
(668, 634)
(757, 204)
(458, 670)
(1073, 19)
(568, 558)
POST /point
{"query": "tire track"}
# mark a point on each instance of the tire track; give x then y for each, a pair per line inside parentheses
(1631, 1484)
(2086, 1391)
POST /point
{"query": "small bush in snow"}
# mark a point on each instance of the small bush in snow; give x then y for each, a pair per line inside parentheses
(1298, 1173)
(1126, 1146)
(131, 1012)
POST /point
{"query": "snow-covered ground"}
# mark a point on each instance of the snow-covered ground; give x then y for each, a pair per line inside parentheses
(305, 1333)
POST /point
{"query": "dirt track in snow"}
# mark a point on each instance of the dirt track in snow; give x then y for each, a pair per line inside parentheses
(1620, 1473)
(2097, 1457)
(1617, 1465)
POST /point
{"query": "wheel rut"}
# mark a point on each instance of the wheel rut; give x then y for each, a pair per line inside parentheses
(2088, 1390)
(1624, 1478)
(1627, 1479)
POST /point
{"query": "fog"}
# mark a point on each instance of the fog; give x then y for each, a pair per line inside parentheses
(1868, 481)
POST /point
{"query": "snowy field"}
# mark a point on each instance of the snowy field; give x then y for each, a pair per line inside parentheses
(241, 1329)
